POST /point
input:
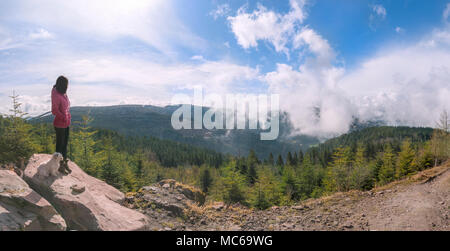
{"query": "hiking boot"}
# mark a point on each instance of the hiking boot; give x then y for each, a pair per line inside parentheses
(62, 168)
(66, 166)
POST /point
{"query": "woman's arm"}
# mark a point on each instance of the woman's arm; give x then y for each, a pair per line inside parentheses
(56, 103)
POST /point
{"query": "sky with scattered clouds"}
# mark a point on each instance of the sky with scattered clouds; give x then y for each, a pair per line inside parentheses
(374, 60)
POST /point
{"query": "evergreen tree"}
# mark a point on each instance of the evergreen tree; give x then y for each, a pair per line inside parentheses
(261, 202)
(252, 175)
(338, 172)
(387, 170)
(83, 147)
(295, 159)
(377, 164)
(425, 158)
(128, 180)
(252, 162)
(309, 179)
(232, 185)
(280, 161)
(205, 179)
(300, 157)
(267, 189)
(110, 161)
(290, 184)
(271, 160)
(44, 138)
(252, 158)
(440, 141)
(290, 159)
(360, 177)
(139, 164)
(16, 143)
(405, 160)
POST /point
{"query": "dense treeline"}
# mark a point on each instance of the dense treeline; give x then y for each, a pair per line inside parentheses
(359, 160)
(373, 140)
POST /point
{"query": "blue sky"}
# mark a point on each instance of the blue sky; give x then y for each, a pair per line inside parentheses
(369, 59)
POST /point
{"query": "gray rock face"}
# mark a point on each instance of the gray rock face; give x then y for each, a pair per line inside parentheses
(85, 202)
(22, 209)
(168, 195)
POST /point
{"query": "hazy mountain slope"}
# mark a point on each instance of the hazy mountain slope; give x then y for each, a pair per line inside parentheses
(374, 139)
(382, 134)
(154, 121)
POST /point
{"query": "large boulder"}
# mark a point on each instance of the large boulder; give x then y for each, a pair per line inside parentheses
(22, 209)
(85, 202)
(168, 195)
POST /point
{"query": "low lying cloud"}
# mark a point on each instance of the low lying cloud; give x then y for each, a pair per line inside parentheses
(400, 86)
(404, 85)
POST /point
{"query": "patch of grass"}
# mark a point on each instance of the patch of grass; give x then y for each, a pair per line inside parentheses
(168, 224)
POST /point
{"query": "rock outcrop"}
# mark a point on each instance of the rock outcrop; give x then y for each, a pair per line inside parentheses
(170, 205)
(167, 195)
(86, 203)
(23, 209)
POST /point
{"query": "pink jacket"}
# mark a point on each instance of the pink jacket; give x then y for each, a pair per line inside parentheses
(61, 109)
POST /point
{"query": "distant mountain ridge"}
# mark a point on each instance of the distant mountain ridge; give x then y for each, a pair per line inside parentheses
(146, 120)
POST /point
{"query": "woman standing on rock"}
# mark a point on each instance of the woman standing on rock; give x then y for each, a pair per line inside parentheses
(61, 110)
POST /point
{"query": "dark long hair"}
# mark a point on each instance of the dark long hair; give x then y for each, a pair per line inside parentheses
(61, 84)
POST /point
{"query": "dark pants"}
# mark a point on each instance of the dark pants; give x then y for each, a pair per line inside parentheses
(62, 138)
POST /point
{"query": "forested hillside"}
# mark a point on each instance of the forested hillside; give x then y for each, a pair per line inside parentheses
(359, 160)
(373, 140)
(152, 121)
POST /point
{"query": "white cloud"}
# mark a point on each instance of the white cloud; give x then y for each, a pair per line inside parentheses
(7, 43)
(198, 57)
(379, 10)
(12, 40)
(446, 13)
(315, 105)
(377, 15)
(316, 44)
(310, 95)
(399, 29)
(266, 25)
(41, 34)
(107, 19)
(108, 80)
(221, 11)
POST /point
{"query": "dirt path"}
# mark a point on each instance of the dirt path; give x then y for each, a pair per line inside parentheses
(423, 206)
